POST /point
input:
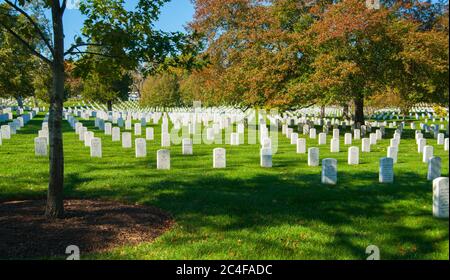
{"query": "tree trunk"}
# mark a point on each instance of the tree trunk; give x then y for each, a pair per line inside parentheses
(55, 204)
(345, 110)
(359, 109)
(109, 104)
(322, 111)
(19, 101)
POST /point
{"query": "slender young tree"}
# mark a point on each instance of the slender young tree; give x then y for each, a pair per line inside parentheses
(127, 35)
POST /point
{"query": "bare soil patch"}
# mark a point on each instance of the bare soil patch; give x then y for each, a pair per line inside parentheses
(92, 225)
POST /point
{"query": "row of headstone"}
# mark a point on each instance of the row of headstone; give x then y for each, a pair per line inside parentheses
(17, 124)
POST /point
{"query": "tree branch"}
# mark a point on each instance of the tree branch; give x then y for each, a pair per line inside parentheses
(35, 25)
(75, 46)
(63, 6)
(93, 53)
(28, 46)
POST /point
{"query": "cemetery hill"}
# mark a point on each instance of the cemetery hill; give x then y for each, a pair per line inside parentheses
(266, 131)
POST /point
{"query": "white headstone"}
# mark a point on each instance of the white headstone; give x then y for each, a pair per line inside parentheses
(322, 138)
(422, 142)
(329, 171)
(44, 133)
(301, 145)
(313, 157)
(266, 157)
(392, 152)
(149, 133)
(348, 139)
(427, 153)
(96, 147)
(78, 126)
(440, 197)
(440, 139)
(434, 168)
(394, 142)
(353, 156)
(334, 145)
(219, 158)
(108, 128)
(163, 160)
(294, 137)
(83, 130)
(312, 133)
(6, 132)
(137, 129)
(357, 134)
(386, 174)
(365, 145)
(379, 134)
(115, 134)
(373, 138)
(336, 133)
(126, 140)
(141, 147)
(289, 132)
(128, 125)
(88, 135)
(40, 146)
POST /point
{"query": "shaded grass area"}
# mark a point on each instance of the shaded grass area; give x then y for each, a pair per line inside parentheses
(245, 211)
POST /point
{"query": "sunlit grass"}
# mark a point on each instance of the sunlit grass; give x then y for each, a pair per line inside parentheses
(245, 211)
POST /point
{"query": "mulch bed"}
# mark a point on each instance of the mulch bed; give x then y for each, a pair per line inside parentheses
(92, 225)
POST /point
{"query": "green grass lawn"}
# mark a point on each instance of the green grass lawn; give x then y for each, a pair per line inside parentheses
(245, 211)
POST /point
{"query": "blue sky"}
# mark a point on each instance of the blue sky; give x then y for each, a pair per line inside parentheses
(174, 16)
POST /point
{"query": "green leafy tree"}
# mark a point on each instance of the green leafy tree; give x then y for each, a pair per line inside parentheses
(359, 53)
(106, 87)
(104, 78)
(42, 82)
(126, 34)
(17, 68)
(161, 90)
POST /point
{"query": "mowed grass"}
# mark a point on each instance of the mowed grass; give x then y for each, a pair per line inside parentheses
(245, 211)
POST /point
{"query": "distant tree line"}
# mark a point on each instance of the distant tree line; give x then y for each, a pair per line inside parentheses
(289, 54)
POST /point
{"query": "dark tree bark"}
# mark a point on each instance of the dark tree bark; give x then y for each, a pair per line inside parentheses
(19, 101)
(359, 109)
(345, 111)
(55, 204)
(322, 111)
(109, 104)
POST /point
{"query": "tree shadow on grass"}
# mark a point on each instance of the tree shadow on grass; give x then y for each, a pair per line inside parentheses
(350, 215)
